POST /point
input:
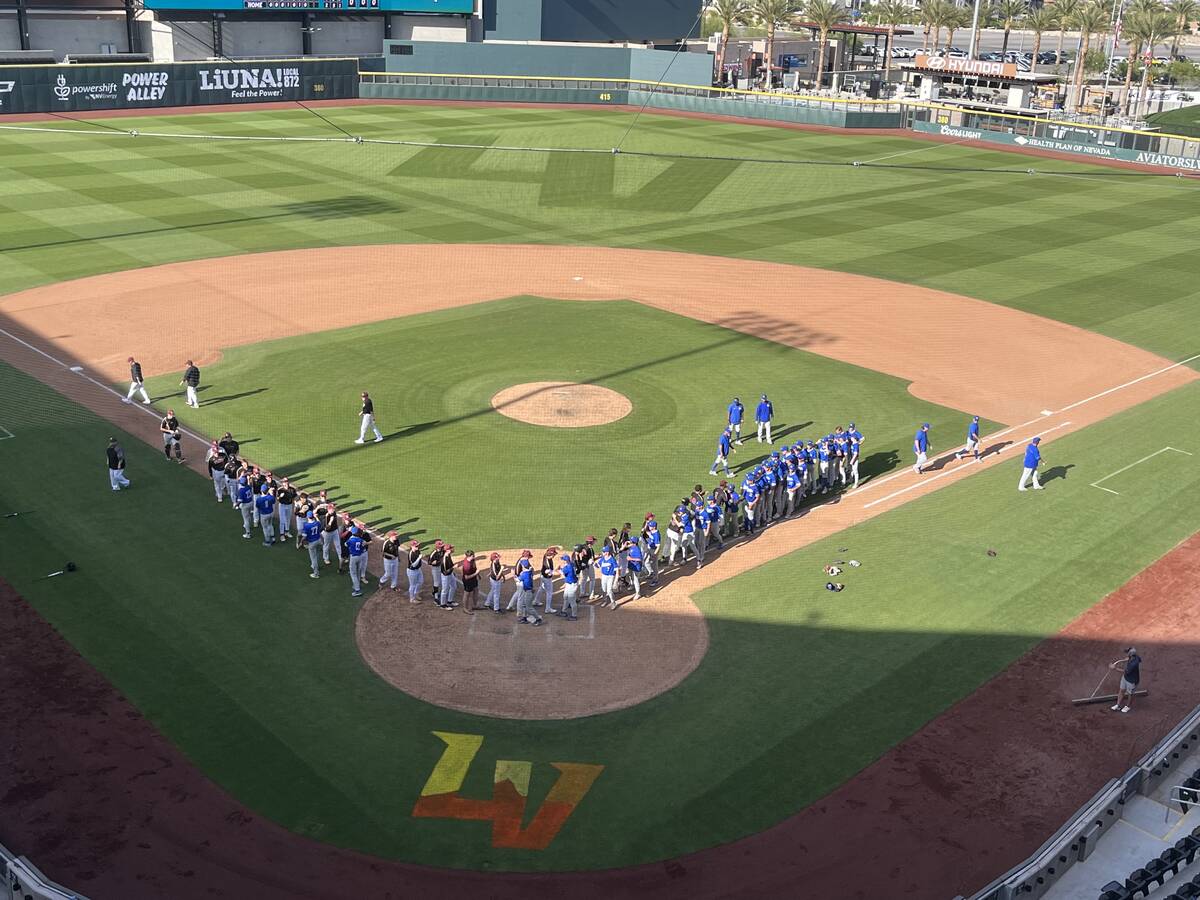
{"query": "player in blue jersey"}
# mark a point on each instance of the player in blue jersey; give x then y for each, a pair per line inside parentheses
(972, 444)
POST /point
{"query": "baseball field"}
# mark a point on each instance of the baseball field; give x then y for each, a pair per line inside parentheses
(741, 713)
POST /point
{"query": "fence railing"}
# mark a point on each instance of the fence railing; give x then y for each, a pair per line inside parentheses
(577, 83)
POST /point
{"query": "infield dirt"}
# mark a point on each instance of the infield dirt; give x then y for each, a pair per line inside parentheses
(1050, 377)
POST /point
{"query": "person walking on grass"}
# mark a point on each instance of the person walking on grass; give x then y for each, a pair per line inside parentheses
(1131, 673)
(763, 415)
(1033, 458)
(116, 465)
(367, 416)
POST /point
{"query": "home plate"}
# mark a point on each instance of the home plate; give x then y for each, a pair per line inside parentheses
(577, 278)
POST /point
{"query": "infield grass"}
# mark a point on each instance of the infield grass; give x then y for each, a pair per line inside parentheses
(453, 467)
(252, 669)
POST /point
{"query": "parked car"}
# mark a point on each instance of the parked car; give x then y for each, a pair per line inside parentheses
(992, 57)
(1047, 58)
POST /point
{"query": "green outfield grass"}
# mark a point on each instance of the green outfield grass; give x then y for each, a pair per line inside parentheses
(452, 467)
(1106, 250)
(252, 669)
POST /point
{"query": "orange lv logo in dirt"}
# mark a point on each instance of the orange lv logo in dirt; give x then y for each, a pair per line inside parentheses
(440, 797)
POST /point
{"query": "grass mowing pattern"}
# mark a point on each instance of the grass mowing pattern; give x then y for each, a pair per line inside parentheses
(454, 468)
(1110, 252)
(251, 668)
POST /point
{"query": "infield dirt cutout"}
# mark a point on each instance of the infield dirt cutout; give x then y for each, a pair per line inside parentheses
(1001, 363)
(561, 404)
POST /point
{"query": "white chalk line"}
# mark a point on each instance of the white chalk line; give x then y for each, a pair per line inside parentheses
(76, 370)
(1121, 387)
(8, 435)
(958, 470)
(932, 146)
(1044, 413)
(1096, 484)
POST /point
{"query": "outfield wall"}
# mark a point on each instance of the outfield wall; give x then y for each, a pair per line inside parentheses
(81, 88)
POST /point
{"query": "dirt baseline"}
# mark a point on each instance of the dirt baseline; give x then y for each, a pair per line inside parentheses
(1051, 377)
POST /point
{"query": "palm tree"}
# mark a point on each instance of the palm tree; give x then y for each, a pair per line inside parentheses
(1039, 21)
(1008, 12)
(728, 13)
(1159, 27)
(933, 15)
(1090, 19)
(825, 15)
(958, 17)
(1135, 30)
(1186, 12)
(1064, 14)
(893, 13)
(772, 14)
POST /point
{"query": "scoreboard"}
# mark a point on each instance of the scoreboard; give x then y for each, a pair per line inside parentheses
(446, 7)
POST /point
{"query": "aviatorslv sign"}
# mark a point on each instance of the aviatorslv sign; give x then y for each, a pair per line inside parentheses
(1095, 151)
(69, 88)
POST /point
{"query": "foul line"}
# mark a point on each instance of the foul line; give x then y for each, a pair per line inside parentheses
(1096, 484)
(8, 435)
(958, 470)
(1120, 387)
(932, 146)
(78, 370)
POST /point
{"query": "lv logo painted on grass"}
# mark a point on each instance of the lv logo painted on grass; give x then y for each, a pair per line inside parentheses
(440, 798)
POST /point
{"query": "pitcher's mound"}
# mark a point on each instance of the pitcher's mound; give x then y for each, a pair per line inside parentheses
(561, 404)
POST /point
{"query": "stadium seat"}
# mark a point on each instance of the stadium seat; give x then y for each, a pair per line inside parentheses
(1157, 872)
(1188, 847)
(1188, 892)
(1114, 890)
(1172, 859)
(1139, 882)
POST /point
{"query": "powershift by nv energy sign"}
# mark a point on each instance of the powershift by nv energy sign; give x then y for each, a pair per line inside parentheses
(42, 89)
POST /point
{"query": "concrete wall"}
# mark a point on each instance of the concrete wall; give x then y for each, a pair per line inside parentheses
(262, 39)
(65, 33)
(348, 37)
(10, 38)
(543, 60)
(589, 20)
(455, 29)
(619, 20)
(512, 20)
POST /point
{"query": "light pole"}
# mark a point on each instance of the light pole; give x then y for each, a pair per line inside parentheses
(974, 45)
(1115, 25)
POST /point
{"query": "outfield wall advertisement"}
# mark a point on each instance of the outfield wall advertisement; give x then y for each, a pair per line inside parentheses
(50, 89)
(1095, 151)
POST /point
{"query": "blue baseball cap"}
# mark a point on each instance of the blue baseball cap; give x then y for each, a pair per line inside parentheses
(1037, 440)
(851, 425)
(925, 425)
(354, 529)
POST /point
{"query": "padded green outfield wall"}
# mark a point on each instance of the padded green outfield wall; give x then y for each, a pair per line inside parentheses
(851, 115)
